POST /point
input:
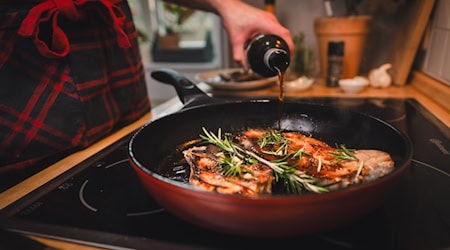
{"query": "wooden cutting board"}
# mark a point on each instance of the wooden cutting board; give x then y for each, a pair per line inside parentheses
(396, 34)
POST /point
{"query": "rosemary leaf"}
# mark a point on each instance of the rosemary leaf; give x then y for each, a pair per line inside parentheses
(230, 166)
(319, 165)
(343, 153)
(361, 165)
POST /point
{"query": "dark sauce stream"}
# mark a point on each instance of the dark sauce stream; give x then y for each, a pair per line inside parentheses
(281, 83)
(280, 97)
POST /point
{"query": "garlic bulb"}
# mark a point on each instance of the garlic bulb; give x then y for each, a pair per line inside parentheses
(379, 77)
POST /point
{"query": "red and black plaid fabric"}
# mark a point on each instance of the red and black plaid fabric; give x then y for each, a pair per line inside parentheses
(70, 74)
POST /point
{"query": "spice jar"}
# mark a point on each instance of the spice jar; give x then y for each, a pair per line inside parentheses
(335, 61)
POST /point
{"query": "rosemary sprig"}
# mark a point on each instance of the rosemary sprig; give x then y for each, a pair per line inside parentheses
(348, 154)
(319, 164)
(294, 180)
(225, 143)
(343, 153)
(361, 165)
(231, 166)
(299, 153)
(276, 140)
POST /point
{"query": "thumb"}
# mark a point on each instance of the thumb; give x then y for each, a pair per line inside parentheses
(239, 53)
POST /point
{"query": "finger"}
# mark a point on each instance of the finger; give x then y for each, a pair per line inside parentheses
(239, 52)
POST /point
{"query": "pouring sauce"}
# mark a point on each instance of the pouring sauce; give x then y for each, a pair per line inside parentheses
(281, 83)
(268, 55)
(281, 75)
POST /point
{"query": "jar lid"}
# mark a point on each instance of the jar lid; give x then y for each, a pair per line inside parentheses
(336, 48)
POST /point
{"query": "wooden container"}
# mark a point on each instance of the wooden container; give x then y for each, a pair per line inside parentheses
(352, 30)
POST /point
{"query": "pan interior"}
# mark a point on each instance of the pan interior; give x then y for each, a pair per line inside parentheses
(160, 139)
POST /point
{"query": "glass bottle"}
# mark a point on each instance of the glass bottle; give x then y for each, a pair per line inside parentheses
(267, 55)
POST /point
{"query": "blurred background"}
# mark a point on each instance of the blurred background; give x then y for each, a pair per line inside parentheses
(193, 41)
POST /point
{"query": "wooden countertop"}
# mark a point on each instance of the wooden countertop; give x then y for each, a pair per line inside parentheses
(420, 88)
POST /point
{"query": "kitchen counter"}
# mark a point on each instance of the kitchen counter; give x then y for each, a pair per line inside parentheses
(420, 88)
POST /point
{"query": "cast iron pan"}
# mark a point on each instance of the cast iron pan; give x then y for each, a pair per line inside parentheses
(265, 216)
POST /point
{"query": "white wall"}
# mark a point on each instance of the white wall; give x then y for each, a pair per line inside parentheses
(438, 54)
(297, 16)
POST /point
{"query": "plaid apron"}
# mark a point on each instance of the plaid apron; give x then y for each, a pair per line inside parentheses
(70, 74)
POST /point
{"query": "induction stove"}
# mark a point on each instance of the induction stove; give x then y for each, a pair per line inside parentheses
(100, 202)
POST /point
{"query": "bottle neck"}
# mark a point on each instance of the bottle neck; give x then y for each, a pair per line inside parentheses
(276, 59)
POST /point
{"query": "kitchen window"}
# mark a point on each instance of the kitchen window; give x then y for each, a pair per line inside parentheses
(202, 43)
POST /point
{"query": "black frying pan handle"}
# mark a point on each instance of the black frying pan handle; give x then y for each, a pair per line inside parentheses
(187, 91)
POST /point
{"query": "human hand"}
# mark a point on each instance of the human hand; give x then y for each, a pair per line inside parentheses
(243, 22)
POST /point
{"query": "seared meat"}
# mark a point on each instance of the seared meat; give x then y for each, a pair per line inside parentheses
(315, 163)
(333, 166)
(207, 173)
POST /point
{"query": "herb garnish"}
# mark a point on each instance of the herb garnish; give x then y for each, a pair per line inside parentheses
(319, 165)
(274, 139)
(343, 153)
(361, 165)
(231, 166)
(294, 180)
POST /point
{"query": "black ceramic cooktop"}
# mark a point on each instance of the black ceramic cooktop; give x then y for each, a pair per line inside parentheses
(100, 202)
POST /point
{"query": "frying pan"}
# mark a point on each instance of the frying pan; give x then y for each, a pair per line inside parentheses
(270, 215)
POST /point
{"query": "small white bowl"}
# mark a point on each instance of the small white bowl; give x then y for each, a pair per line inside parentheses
(353, 85)
(299, 84)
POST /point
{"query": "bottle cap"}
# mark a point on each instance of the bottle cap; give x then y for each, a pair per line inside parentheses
(277, 58)
(336, 48)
